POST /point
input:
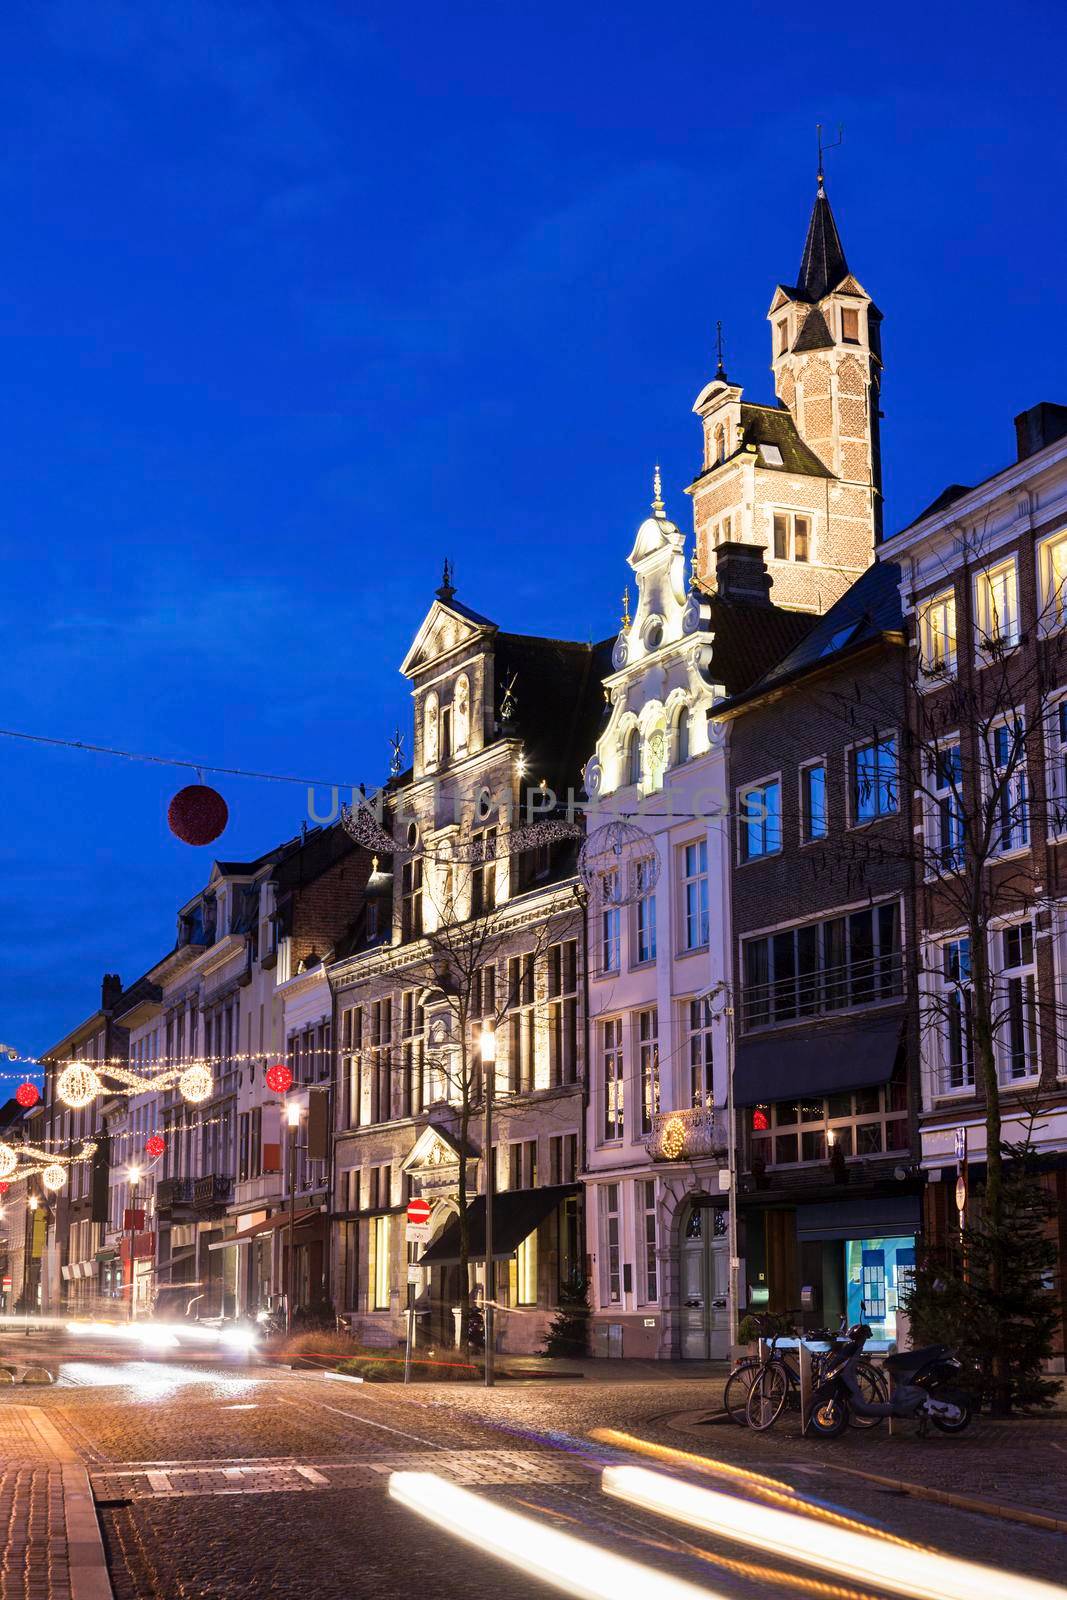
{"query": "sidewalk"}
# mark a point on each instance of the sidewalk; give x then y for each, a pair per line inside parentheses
(50, 1545)
(605, 1370)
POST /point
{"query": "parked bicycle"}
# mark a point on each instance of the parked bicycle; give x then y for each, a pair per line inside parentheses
(776, 1384)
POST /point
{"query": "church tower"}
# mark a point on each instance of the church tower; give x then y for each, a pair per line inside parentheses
(803, 477)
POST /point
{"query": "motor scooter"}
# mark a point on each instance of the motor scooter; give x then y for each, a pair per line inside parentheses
(922, 1388)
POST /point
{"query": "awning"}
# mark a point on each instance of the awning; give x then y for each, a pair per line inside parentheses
(516, 1213)
(873, 1217)
(828, 1060)
(258, 1230)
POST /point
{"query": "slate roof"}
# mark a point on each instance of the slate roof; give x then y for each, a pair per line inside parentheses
(558, 698)
(866, 612)
(773, 425)
(814, 335)
(823, 263)
(955, 491)
(749, 638)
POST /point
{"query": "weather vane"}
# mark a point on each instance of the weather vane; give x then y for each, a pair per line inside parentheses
(396, 759)
(823, 147)
(720, 370)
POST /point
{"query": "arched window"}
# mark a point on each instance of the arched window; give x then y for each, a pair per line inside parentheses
(680, 737)
(631, 758)
(656, 756)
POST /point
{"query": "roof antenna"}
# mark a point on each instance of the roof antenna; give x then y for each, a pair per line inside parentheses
(720, 370)
(823, 147)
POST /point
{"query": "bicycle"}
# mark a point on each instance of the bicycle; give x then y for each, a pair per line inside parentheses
(745, 1371)
(777, 1383)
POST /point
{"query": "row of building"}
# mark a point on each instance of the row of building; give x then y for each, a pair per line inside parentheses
(769, 768)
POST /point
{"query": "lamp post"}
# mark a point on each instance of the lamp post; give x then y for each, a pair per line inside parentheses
(133, 1178)
(724, 993)
(488, 1051)
(292, 1117)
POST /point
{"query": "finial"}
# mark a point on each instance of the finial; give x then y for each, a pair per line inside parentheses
(693, 570)
(626, 609)
(396, 758)
(720, 369)
(448, 588)
(657, 493)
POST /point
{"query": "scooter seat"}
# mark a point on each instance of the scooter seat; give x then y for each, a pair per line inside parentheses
(912, 1360)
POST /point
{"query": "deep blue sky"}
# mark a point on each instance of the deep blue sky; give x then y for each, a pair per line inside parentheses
(296, 299)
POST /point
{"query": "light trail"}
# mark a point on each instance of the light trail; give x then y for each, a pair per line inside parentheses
(584, 1570)
(924, 1574)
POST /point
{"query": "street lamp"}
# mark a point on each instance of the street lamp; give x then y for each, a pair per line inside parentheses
(488, 1052)
(724, 993)
(292, 1117)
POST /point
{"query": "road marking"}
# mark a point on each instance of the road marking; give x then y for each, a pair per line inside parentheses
(311, 1475)
(160, 1482)
(354, 1416)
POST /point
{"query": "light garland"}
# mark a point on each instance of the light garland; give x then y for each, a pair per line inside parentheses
(8, 1161)
(78, 1086)
(54, 1177)
(674, 1139)
(196, 1084)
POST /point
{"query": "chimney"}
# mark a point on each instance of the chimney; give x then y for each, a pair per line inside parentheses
(110, 991)
(1043, 424)
(741, 573)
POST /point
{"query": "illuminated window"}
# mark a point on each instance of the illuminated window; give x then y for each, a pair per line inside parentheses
(380, 1266)
(612, 1082)
(526, 1271)
(996, 602)
(610, 1254)
(792, 536)
(1052, 578)
(937, 635)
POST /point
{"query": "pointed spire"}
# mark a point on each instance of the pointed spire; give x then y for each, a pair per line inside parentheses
(823, 264)
(657, 493)
(448, 588)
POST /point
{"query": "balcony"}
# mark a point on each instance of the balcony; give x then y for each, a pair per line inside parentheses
(214, 1190)
(687, 1135)
(172, 1194)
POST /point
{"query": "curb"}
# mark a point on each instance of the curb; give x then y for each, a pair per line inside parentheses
(342, 1377)
(961, 1502)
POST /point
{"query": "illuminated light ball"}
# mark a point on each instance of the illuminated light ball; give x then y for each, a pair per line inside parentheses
(54, 1177)
(197, 814)
(279, 1078)
(674, 1139)
(78, 1086)
(196, 1084)
(8, 1161)
(155, 1144)
(27, 1095)
(760, 1121)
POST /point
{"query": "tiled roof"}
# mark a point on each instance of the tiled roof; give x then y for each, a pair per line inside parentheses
(749, 638)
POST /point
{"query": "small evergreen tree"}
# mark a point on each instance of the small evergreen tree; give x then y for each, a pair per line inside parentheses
(568, 1333)
(988, 1293)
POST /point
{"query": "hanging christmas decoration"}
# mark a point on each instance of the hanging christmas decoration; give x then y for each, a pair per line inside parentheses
(27, 1095)
(4, 1187)
(360, 823)
(197, 814)
(155, 1145)
(619, 863)
(78, 1085)
(279, 1078)
(760, 1120)
(674, 1139)
(8, 1161)
(53, 1177)
(195, 1084)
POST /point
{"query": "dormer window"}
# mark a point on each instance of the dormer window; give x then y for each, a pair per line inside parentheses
(850, 325)
(783, 336)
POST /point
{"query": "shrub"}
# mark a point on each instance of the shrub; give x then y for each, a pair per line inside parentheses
(568, 1332)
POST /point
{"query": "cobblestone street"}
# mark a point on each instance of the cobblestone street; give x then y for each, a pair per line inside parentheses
(170, 1450)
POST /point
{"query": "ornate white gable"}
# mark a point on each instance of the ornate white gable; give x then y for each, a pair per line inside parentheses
(443, 631)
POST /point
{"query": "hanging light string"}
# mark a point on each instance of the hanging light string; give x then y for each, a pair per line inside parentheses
(170, 761)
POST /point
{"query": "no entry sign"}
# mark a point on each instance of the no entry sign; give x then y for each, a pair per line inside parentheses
(418, 1211)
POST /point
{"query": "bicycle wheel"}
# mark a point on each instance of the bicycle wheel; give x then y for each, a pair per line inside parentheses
(767, 1397)
(738, 1384)
(874, 1389)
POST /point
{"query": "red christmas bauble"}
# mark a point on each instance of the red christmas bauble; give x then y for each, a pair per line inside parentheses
(4, 1187)
(279, 1078)
(760, 1121)
(155, 1144)
(197, 814)
(27, 1095)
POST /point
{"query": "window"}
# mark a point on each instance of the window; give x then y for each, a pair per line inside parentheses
(863, 1122)
(380, 1265)
(525, 1269)
(380, 1042)
(945, 846)
(648, 1059)
(612, 1084)
(996, 601)
(521, 999)
(1052, 576)
(813, 802)
(610, 923)
(610, 1267)
(783, 336)
(1017, 1005)
(411, 1048)
(850, 325)
(646, 1196)
(645, 912)
(680, 737)
(874, 779)
(954, 1003)
(937, 635)
(698, 1021)
(792, 536)
(563, 1012)
(631, 758)
(522, 1164)
(1008, 787)
(563, 1158)
(483, 873)
(844, 961)
(760, 819)
(695, 894)
(411, 899)
(1056, 743)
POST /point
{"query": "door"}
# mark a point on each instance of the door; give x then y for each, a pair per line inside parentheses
(705, 1285)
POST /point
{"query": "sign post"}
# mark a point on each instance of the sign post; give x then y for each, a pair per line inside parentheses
(417, 1231)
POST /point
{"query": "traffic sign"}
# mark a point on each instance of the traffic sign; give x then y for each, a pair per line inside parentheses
(419, 1210)
(961, 1144)
(418, 1233)
(961, 1194)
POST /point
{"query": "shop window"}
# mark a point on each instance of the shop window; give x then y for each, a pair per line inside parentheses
(524, 1268)
(380, 1264)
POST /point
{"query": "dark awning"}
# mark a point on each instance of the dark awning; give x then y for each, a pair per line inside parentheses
(827, 1060)
(516, 1213)
(873, 1217)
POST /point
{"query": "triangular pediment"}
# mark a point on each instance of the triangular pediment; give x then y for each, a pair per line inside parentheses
(448, 627)
(432, 1150)
(782, 297)
(851, 285)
